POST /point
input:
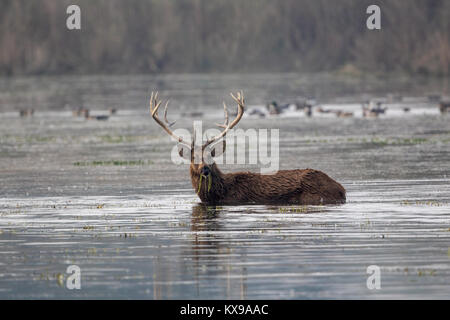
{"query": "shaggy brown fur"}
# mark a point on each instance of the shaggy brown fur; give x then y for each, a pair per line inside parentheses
(302, 187)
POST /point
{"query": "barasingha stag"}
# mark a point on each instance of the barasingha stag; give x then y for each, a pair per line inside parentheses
(299, 186)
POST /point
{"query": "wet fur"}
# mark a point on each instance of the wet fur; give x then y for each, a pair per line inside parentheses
(302, 187)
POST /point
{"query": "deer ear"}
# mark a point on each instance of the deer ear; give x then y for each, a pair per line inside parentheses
(218, 149)
(184, 152)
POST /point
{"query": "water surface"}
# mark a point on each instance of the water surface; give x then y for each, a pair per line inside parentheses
(106, 197)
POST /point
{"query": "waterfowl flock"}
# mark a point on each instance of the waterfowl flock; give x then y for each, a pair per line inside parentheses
(373, 108)
(26, 112)
(80, 112)
(83, 112)
(370, 108)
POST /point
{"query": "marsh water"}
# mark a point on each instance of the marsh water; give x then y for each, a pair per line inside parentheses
(106, 197)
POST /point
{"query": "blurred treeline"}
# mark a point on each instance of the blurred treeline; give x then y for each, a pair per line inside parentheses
(141, 36)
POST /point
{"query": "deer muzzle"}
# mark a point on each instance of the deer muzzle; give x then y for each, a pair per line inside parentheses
(205, 173)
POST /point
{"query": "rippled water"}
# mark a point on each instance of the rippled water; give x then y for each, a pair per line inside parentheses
(106, 197)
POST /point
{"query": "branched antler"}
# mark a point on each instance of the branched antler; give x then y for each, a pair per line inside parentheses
(239, 98)
(154, 106)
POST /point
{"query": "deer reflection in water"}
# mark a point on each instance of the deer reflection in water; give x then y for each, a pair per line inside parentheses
(212, 255)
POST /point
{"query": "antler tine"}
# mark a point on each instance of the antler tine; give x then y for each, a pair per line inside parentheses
(151, 103)
(153, 100)
(240, 97)
(240, 101)
(165, 115)
(225, 110)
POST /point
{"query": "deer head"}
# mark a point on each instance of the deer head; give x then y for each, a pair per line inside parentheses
(205, 175)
